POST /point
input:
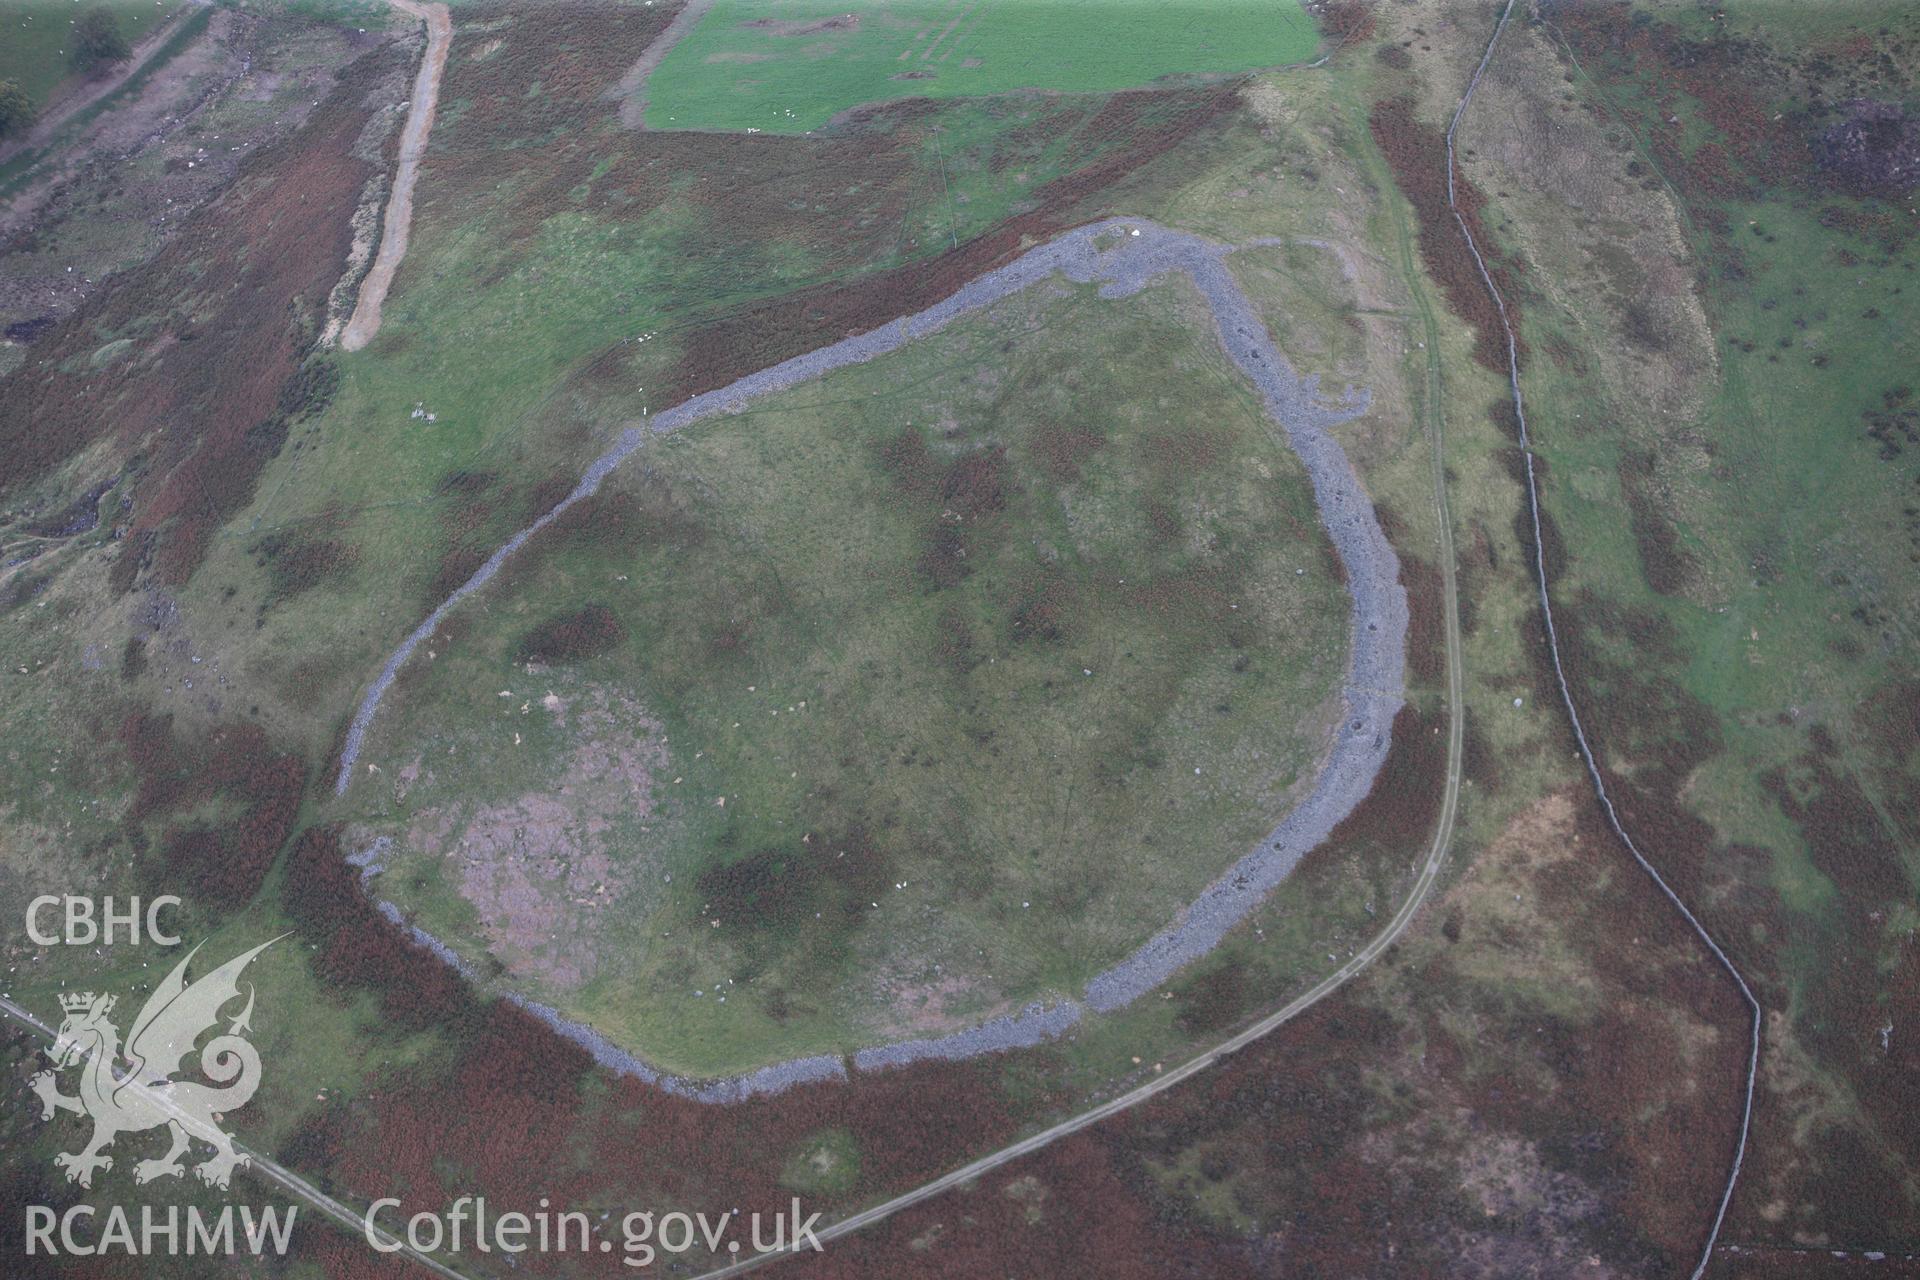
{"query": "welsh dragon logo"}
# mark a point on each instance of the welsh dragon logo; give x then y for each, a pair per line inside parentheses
(145, 1095)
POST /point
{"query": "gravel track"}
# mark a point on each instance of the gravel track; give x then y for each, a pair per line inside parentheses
(398, 223)
(1123, 255)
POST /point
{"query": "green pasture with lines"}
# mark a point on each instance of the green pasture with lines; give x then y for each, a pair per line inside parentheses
(790, 68)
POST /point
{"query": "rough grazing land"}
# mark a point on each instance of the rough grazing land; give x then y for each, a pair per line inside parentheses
(1139, 252)
(1736, 593)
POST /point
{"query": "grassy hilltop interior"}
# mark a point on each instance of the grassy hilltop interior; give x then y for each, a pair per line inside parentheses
(930, 688)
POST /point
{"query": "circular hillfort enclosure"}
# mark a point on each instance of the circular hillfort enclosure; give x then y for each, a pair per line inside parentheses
(1122, 255)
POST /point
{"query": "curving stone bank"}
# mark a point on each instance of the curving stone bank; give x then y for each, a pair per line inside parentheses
(1122, 255)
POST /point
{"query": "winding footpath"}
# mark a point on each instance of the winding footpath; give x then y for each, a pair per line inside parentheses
(396, 225)
(1122, 255)
(1560, 675)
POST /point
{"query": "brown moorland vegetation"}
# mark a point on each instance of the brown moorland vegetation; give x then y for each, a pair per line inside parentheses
(1664, 563)
(840, 199)
(1369, 1137)
(356, 946)
(1426, 603)
(579, 634)
(223, 863)
(1400, 810)
(222, 336)
(1725, 81)
(1728, 120)
(777, 330)
(1417, 153)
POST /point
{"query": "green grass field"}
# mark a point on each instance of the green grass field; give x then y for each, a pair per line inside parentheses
(791, 67)
(37, 37)
(970, 667)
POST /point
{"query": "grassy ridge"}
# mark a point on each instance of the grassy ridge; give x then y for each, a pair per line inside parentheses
(1729, 473)
(1789, 592)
